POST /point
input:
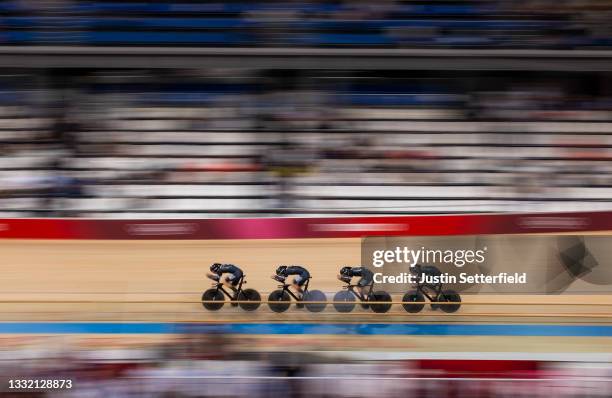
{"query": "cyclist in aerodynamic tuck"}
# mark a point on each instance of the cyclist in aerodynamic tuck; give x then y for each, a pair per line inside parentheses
(366, 278)
(228, 274)
(301, 275)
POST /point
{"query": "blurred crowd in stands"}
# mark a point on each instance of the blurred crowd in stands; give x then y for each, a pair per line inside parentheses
(124, 143)
(556, 24)
(211, 366)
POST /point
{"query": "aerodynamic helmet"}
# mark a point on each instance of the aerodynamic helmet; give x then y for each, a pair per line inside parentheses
(281, 270)
(215, 267)
(345, 271)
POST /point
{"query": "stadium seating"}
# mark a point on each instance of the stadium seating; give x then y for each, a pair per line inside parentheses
(447, 23)
(221, 148)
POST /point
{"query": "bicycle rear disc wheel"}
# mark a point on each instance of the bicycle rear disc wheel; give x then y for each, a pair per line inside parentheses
(249, 295)
(380, 296)
(413, 297)
(450, 296)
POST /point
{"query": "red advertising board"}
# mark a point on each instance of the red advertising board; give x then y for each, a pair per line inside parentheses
(288, 228)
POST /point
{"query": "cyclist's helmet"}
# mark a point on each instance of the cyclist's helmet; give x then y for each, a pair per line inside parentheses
(345, 271)
(416, 269)
(215, 267)
(281, 270)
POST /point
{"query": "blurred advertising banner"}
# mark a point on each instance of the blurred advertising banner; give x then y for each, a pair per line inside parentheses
(513, 264)
(314, 227)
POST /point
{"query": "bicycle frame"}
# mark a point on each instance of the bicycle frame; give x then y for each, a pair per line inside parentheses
(286, 286)
(234, 296)
(351, 288)
(424, 288)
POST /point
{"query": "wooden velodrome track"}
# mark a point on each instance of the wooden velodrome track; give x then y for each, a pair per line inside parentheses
(162, 281)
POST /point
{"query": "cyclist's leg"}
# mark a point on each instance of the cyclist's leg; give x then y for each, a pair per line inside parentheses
(230, 281)
(438, 288)
(298, 283)
(365, 284)
(434, 289)
(361, 287)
